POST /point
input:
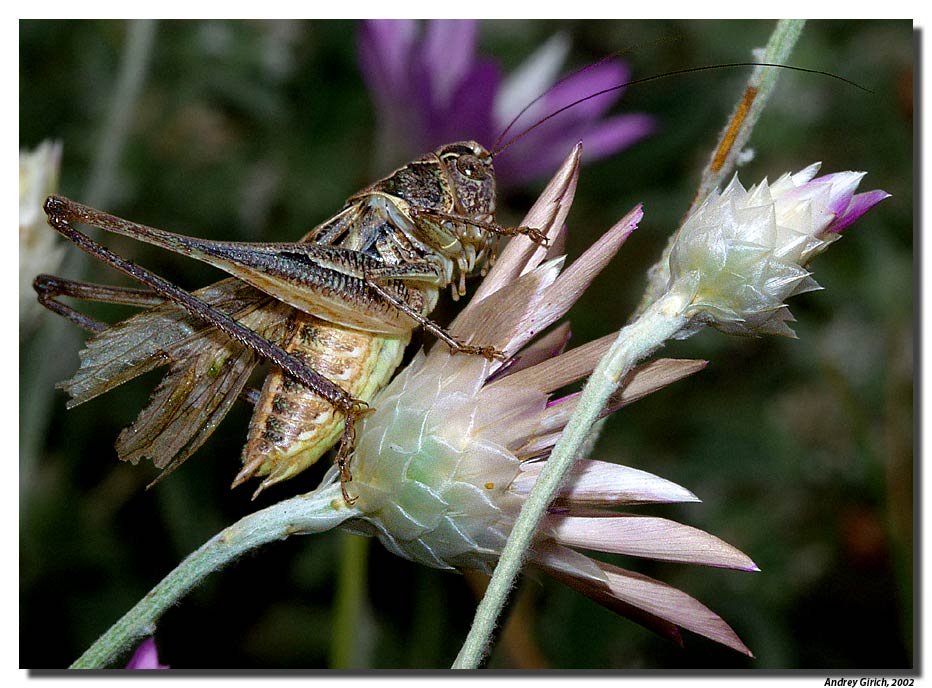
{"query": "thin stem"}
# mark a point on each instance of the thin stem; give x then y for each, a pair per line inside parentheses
(517, 636)
(314, 512)
(759, 88)
(733, 139)
(42, 361)
(350, 597)
(658, 323)
(140, 38)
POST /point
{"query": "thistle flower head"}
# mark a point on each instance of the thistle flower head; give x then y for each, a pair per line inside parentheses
(743, 252)
(446, 460)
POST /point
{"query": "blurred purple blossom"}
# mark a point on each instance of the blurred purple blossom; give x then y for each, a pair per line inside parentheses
(146, 656)
(431, 88)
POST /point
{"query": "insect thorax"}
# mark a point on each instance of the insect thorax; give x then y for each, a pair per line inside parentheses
(455, 181)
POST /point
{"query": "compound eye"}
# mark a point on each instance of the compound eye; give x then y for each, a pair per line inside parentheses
(469, 167)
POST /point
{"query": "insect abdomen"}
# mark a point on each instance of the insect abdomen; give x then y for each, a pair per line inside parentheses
(291, 426)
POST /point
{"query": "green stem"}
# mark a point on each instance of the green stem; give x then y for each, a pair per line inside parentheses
(314, 512)
(140, 39)
(42, 363)
(733, 139)
(759, 88)
(658, 323)
(351, 595)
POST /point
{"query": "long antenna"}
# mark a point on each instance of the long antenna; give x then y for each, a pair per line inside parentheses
(688, 70)
(618, 53)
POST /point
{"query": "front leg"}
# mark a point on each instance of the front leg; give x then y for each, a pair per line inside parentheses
(423, 272)
(537, 236)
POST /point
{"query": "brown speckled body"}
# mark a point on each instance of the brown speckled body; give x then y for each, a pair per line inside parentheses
(291, 427)
(335, 310)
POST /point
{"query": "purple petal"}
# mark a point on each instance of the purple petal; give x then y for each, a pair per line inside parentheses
(431, 90)
(615, 133)
(596, 78)
(859, 205)
(449, 48)
(469, 114)
(843, 185)
(831, 191)
(146, 656)
(526, 86)
(598, 483)
(540, 150)
(422, 119)
(430, 123)
(384, 47)
(646, 536)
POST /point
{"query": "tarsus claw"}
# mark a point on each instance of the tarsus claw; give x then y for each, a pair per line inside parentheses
(537, 236)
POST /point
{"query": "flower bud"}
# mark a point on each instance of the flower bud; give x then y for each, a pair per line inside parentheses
(39, 248)
(743, 252)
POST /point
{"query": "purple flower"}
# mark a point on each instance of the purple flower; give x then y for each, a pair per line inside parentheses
(431, 88)
(146, 656)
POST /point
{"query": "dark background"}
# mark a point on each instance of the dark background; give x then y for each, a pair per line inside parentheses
(802, 450)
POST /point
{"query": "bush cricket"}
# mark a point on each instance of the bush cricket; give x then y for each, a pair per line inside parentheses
(333, 312)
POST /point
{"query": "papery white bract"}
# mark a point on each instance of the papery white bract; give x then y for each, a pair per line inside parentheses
(743, 252)
(445, 461)
(40, 249)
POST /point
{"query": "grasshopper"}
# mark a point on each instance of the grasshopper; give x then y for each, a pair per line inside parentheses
(333, 312)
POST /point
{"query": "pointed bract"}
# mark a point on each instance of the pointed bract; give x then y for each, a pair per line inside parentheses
(446, 458)
(598, 483)
(742, 253)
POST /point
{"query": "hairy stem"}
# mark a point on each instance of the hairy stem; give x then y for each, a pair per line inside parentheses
(741, 123)
(314, 512)
(658, 323)
(733, 139)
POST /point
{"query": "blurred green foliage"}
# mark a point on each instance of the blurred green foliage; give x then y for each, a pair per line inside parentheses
(802, 450)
